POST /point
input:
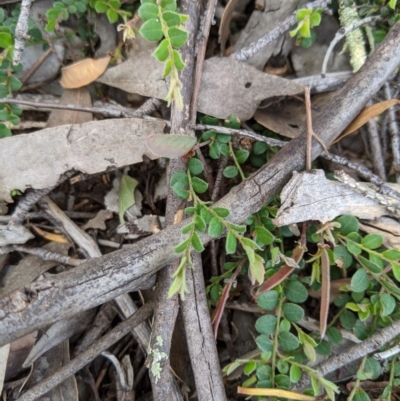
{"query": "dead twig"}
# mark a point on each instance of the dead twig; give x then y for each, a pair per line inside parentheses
(249, 51)
(21, 31)
(87, 356)
(394, 134)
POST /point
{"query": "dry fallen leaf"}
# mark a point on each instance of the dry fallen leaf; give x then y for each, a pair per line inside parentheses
(78, 97)
(223, 32)
(367, 114)
(41, 157)
(228, 87)
(99, 221)
(311, 196)
(83, 72)
(50, 236)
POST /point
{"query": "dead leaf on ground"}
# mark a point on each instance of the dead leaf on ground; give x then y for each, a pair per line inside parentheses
(367, 114)
(59, 332)
(288, 117)
(228, 87)
(223, 32)
(311, 196)
(41, 157)
(83, 72)
(99, 221)
(28, 269)
(50, 236)
(19, 350)
(78, 97)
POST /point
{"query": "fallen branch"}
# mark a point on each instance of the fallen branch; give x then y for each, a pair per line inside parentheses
(87, 356)
(99, 280)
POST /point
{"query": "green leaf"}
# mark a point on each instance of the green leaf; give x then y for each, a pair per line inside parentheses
(182, 246)
(195, 166)
(268, 300)
(115, 4)
(126, 196)
(295, 374)
(293, 312)
(323, 348)
(162, 51)
(282, 381)
(392, 4)
(51, 25)
(72, 9)
(178, 62)
(179, 176)
(223, 138)
(360, 281)
(264, 236)
(347, 319)
(372, 241)
(2, 15)
(371, 266)
(180, 190)
(168, 4)
(200, 224)
(221, 211)
(392, 254)
(388, 303)
(249, 368)
(14, 119)
(167, 68)
(4, 115)
(5, 40)
(259, 148)
(199, 185)
(80, 6)
(296, 292)
(315, 19)
(342, 257)
(187, 228)
(4, 131)
(148, 11)
(206, 215)
(348, 224)
(100, 7)
(250, 243)
(196, 243)
(15, 83)
(288, 341)
(230, 172)
(309, 351)
(3, 91)
(112, 16)
(151, 31)
(334, 335)
(266, 324)
(215, 292)
(232, 122)
(353, 248)
(305, 29)
(177, 36)
(361, 395)
(215, 228)
(264, 343)
(190, 210)
(171, 18)
(231, 243)
(303, 13)
(242, 155)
